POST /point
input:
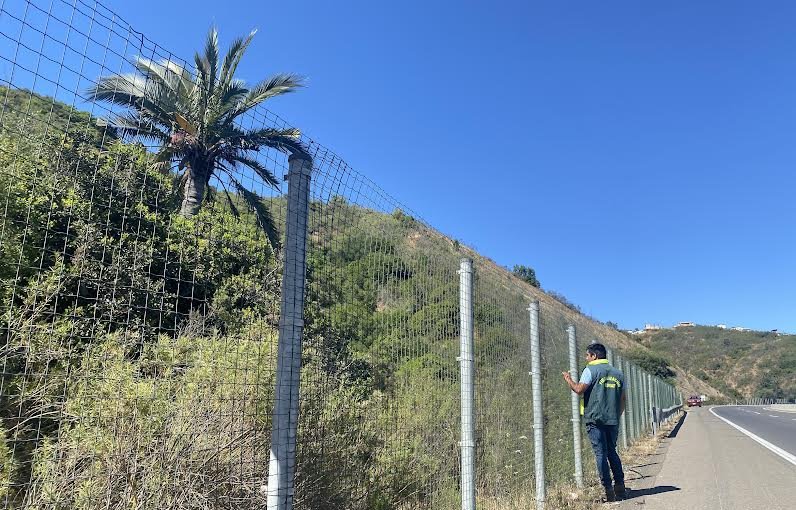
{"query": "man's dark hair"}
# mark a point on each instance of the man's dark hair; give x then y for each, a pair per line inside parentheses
(598, 350)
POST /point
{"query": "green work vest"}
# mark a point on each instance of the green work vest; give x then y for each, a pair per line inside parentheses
(602, 400)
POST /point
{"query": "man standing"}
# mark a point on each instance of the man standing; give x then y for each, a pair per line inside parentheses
(604, 392)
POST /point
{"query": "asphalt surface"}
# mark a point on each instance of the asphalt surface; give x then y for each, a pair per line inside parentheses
(709, 465)
(776, 427)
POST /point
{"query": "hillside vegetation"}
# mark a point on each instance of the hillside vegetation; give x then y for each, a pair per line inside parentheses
(741, 364)
(139, 346)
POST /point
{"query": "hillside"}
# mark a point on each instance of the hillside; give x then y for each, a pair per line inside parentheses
(740, 364)
(107, 294)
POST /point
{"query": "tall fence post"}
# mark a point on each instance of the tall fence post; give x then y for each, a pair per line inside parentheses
(282, 464)
(466, 366)
(538, 419)
(642, 401)
(644, 411)
(575, 401)
(623, 417)
(652, 404)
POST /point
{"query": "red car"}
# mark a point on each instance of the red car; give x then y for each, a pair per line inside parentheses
(694, 400)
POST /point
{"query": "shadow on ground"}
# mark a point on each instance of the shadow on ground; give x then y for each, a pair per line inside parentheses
(650, 491)
(676, 428)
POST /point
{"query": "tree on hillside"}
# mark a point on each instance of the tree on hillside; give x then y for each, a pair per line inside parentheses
(526, 273)
(192, 117)
(656, 364)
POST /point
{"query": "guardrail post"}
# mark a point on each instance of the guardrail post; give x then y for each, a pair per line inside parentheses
(538, 418)
(466, 368)
(575, 407)
(282, 464)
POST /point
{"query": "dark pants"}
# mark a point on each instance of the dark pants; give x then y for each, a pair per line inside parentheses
(603, 441)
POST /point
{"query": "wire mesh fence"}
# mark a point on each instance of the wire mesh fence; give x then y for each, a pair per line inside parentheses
(142, 308)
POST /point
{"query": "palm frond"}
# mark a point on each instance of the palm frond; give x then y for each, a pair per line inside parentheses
(264, 217)
(134, 91)
(232, 207)
(264, 173)
(167, 73)
(211, 58)
(233, 58)
(232, 92)
(273, 86)
(132, 124)
(201, 93)
(286, 140)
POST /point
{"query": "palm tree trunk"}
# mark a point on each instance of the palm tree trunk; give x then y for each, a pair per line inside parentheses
(193, 193)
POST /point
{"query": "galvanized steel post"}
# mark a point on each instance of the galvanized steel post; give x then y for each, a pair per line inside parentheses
(629, 390)
(282, 464)
(466, 368)
(575, 402)
(652, 404)
(538, 419)
(623, 417)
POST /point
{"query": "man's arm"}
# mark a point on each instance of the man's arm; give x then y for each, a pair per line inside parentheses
(578, 388)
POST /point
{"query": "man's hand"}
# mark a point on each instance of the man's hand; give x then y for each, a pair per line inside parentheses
(576, 387)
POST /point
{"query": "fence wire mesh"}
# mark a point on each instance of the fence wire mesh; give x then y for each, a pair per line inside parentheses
(140, 330)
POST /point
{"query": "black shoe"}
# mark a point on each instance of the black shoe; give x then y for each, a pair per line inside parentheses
(620, 491)
(610, 496)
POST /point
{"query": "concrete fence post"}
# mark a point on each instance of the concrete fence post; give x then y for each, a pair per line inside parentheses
(466, 369)
(282, 463)
(575, 407)
(538, 418)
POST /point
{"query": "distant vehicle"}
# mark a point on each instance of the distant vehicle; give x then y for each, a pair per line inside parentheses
(694, 400)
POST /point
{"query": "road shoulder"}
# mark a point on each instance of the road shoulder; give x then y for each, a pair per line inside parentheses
(710, 465)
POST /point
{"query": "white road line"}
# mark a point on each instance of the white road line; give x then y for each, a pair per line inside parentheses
(755, 412)
(774, 448)
(773, 415)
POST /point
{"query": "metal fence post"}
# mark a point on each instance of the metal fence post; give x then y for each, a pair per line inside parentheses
(629, 411)
(575, 401)
(466, 366)
(647, 400)
(642, 409)
(282, 464)
(652, 404)
(538, 419)
(623, 418)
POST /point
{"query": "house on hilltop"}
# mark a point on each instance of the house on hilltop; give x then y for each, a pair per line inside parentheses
(684, 325)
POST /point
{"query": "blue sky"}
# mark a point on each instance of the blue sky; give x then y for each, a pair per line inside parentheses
(640, 156)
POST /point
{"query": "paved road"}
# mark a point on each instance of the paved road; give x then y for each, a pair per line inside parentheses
(710, 465)
(776, 427)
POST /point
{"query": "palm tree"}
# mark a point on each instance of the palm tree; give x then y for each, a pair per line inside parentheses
(192, 118)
